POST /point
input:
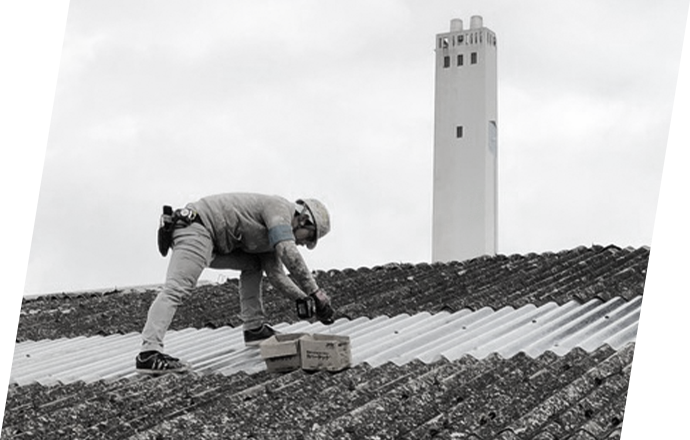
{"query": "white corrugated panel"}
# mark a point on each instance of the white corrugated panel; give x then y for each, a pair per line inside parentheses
(399, 339)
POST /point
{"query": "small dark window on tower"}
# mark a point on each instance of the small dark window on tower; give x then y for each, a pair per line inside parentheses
(461, 38)
(458, 131)
(446, 61)
(443, 43)
(473, 59)
(460, 60)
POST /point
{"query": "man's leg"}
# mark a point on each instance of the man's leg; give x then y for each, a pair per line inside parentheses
(251, 304)
(192, 252)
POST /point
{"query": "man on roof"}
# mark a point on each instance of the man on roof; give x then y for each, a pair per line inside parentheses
(252, 233)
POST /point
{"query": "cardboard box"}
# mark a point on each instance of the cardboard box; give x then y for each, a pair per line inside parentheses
(325, 352)
(281, 352)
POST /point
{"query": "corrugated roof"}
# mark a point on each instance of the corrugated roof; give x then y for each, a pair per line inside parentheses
(580, 274)
(579, 395)
(400, 339)
(491, 315)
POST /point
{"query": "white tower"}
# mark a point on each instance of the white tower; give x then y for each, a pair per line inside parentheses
(465, 142)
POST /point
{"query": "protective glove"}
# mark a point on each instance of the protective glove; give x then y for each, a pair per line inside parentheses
(322, 303)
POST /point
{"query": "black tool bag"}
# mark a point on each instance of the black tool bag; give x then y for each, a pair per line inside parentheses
(169, 221)
(165, 230)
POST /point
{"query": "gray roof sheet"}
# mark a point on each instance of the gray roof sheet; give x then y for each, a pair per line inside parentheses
(400, 339)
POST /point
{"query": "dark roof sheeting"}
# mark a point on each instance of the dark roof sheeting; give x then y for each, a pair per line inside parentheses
(580, 274)
(577, 395)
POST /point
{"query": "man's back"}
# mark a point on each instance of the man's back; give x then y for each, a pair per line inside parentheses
(240, 221)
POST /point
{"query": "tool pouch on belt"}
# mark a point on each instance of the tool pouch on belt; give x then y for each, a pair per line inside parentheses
(165, 230)
(169, 221)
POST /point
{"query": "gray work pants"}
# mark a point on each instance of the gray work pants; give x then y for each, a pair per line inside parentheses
(192, 252)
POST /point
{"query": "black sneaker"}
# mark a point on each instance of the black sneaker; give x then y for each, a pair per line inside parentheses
(324, 311)
(256, 336)
(154, 362)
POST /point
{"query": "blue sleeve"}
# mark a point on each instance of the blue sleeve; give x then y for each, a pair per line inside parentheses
(280, 233)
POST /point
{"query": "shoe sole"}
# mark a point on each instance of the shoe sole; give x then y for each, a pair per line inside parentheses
(162, 372)
(254, 343)
(185, 368)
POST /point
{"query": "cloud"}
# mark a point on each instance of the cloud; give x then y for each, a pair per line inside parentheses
(165, 103)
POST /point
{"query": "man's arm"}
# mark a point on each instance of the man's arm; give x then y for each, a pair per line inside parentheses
(317, 301)
(277, 277)
(287, 253)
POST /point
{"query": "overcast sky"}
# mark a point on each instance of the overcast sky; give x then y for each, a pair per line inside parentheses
(166, 102)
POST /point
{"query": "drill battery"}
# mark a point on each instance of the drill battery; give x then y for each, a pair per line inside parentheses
(306, 307)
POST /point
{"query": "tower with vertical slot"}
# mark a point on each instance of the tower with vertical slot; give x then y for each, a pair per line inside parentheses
(465, 184)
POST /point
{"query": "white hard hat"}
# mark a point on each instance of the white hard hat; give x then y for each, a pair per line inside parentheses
(320, 216)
